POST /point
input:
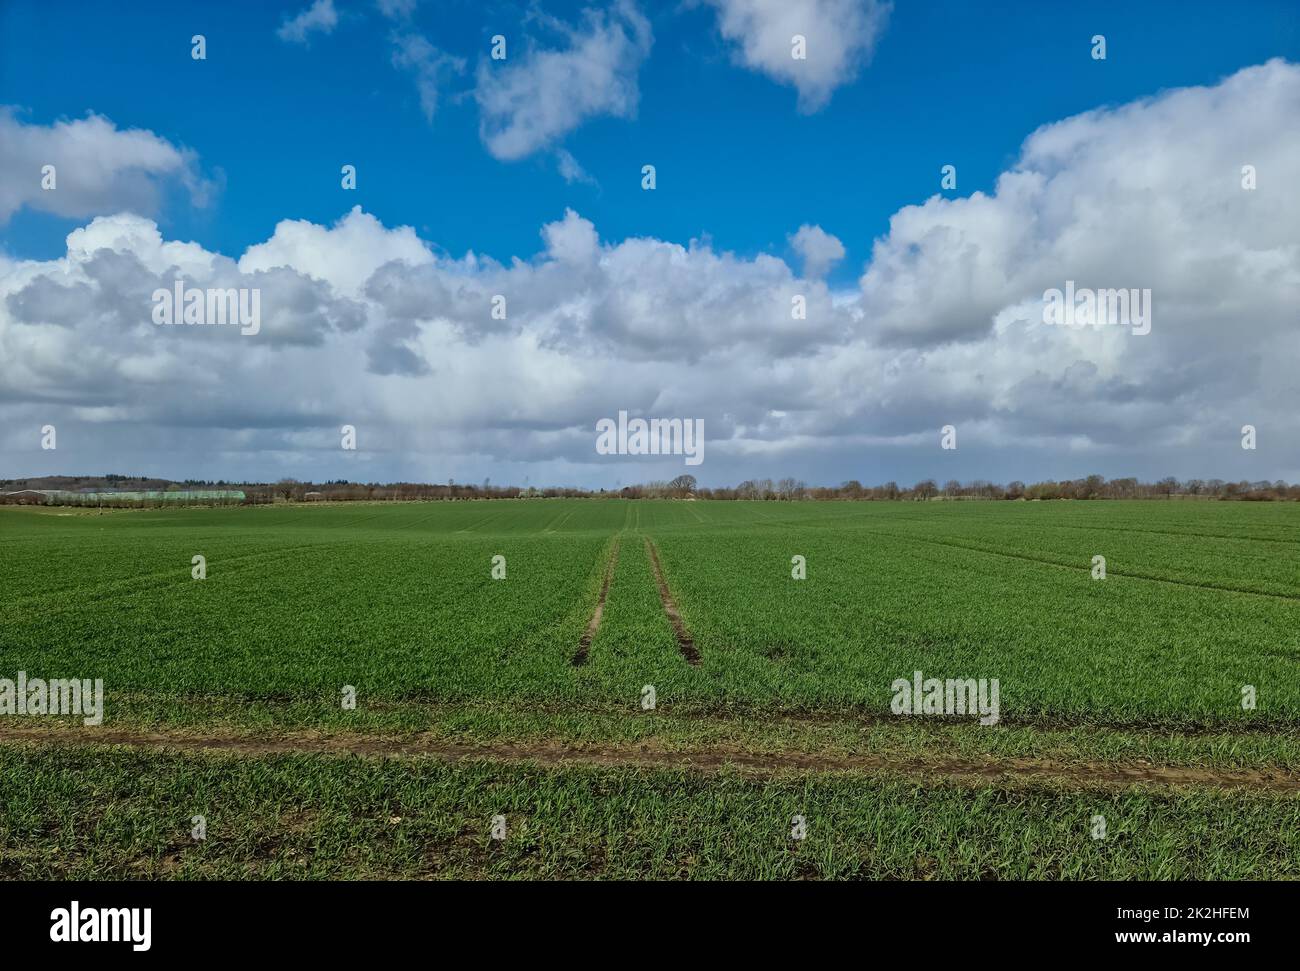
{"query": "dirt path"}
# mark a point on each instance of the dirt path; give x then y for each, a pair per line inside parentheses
(584, 645)
(649, 755)
(684, 642)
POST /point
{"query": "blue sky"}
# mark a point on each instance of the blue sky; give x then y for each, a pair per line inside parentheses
(736, 162)
(240, 154)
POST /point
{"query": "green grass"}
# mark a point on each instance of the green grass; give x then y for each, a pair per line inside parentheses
(1144, 668)
(958, 592)
(1200, 599)
(123, 815)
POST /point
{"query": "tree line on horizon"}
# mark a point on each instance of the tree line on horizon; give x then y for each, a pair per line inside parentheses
(1090, 487)
(687, 487)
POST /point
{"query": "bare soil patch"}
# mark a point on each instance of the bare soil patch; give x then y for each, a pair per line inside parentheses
(647, 754)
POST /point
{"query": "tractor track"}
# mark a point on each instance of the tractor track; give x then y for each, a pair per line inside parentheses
(685, 643)
(584, 645)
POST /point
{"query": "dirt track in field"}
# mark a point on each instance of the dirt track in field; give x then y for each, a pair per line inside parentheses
(684, 641)
(648, 755)
(584, 645)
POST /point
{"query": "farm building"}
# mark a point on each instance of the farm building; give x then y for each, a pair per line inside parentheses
(31, 497)
(63, 497)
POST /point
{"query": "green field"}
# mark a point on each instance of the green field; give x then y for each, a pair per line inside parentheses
(1142, 672)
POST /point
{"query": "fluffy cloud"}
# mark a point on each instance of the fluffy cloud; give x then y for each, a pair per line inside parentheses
(345, 254)
(818, 249)
(98, 167)
(529, 104)
(372, 326)
(840, 34)
(320, 17)
(1147, 195)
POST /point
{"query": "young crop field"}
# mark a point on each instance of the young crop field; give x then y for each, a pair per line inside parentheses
(605, 674)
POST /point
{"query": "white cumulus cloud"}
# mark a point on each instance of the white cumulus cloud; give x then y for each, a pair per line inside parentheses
(839, 37)
(818, 249)
(530, 104)
(370, 325)
(98, 167)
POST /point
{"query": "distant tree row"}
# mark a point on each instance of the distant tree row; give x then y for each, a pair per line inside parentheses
(1092, 487)
(686, 487)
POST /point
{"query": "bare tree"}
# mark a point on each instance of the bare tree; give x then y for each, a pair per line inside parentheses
(681, 485)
